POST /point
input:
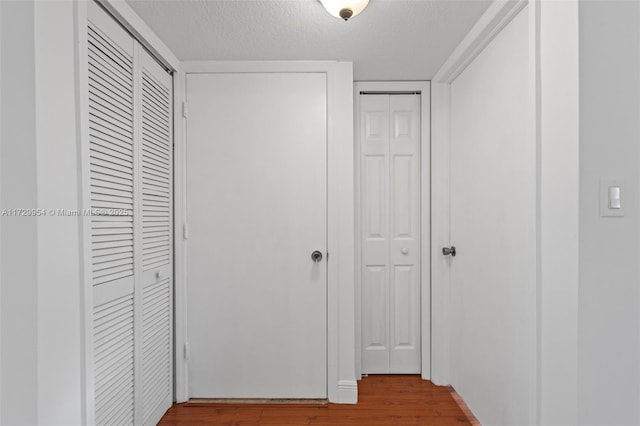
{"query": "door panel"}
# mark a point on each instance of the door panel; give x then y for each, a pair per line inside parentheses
(155, 153)
(390, 206)
(111, 186)
(256, 188)
(493, 226)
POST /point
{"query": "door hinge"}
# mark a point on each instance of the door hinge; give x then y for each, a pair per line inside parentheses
(186, 351)
(185, 111)
(185, 232)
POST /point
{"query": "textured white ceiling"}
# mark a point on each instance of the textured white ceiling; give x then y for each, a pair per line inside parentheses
(390, 40)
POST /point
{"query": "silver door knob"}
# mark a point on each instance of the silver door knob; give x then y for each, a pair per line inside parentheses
(449, 251)
(404, 250)
(316, 256)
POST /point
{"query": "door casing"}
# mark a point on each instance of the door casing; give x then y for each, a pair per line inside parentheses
(425, 219)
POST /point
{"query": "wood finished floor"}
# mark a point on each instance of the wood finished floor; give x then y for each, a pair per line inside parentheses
(383, 400)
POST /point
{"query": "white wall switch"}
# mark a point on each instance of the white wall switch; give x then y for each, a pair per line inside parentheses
(614, 197)
(611, 197)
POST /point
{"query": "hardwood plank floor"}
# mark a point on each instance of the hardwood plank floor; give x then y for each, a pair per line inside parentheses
(383, 401)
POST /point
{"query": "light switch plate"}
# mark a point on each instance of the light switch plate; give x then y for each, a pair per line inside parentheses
(610, 207)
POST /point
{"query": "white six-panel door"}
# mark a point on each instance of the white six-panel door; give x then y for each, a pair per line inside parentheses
(390, 138)
(257, 209)
(128, 187)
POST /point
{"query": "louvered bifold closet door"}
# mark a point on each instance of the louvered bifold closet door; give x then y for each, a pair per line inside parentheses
(128, 185)
(156, 230)
(111, 175)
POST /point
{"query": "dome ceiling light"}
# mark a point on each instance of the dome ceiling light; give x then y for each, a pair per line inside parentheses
(344, 9)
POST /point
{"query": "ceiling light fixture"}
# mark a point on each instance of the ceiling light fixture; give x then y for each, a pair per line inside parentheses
(344, 9)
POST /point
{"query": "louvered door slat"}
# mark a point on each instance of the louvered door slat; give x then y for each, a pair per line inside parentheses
(153, 136)
(99, 92)
(114, 184)
(105, 43)
(158, 157)
(160, 171)
(155, 161)
(155, 142)
(154, 118)
(111, 110)
(110, 163)
(102, 87)
(103, 76)
(104, 145)
(100, 122)
(157, 151)
(108, 139)
(155, 100)
(103, 174)
(118, 71)
(110, 70)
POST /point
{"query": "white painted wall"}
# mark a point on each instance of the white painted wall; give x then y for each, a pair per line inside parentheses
(557, 100)
(609, 300)
(40, 331)
(18, 239)
(58, 243)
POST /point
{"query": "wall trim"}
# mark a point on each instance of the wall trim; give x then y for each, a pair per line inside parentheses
(86, 293)
(425, 221)
(496, 17)
(340, 277)
(440, 237)
(181, 379)
(348, 391)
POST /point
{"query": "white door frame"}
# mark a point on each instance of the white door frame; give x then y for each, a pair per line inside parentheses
(554, 111)
(425, 208)
(341, 379)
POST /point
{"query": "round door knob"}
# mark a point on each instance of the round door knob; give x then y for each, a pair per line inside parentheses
(404, 250)
(449, 251)
(316, 256)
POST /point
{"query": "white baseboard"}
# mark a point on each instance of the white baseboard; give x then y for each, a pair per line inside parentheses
(347, 392)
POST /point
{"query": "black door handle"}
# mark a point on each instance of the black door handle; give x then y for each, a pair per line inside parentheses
(449, 251)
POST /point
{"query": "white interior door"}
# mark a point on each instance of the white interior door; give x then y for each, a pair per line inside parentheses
(390, 230)
(256, 208)
(493, 227)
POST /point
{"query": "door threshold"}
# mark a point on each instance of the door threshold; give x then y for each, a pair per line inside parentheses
(261, 401)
